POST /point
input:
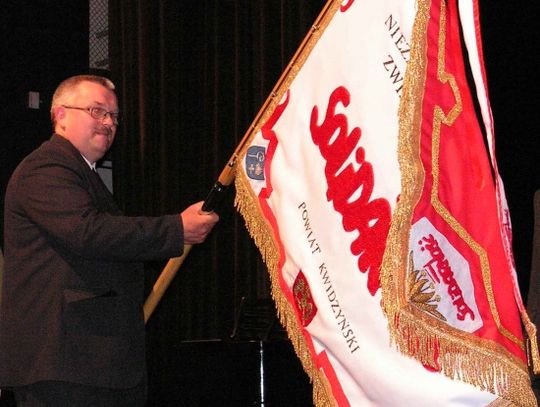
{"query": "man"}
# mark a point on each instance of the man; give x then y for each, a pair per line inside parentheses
(71, 320)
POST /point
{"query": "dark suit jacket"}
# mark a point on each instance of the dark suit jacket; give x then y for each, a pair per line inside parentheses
(73, 283)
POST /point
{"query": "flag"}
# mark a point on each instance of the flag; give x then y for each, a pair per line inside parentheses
(377, 207)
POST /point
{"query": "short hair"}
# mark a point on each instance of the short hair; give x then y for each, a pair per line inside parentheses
(66, 91)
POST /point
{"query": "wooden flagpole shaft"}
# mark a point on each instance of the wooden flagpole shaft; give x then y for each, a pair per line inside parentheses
(173, 265)
(215, 195)
(228, 173)
(163, 282)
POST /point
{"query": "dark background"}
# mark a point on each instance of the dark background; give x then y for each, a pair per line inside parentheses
(225, 58)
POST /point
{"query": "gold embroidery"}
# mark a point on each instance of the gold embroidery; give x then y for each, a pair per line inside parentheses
(304, 302)
(448, 120)
(500, 402)
(418, 294)
(485, 365)
(247, 204)
(462, 356)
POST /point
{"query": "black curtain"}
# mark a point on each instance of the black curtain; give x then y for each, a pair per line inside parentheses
(191, 77)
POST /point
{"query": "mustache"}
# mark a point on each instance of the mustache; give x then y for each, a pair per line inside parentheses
(104, 129)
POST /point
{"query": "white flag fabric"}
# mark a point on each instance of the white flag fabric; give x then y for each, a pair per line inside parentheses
(378, 291)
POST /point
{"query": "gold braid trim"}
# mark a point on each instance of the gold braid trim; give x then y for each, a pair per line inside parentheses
(532, 342)
(247, 204)
(500, 403)
(459, 355)
(484, 365)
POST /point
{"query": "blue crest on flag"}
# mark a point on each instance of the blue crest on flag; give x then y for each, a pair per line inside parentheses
(255, 157)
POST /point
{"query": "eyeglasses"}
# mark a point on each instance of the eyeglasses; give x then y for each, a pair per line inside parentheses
(97, 113)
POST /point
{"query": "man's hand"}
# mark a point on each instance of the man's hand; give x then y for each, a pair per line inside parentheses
(197, 224)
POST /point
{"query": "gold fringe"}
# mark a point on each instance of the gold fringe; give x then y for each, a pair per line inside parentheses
(261, 232)
(488, 367)
(411, 334)
(532, 343)
(248, 206)
(500, 403)
(457, 354)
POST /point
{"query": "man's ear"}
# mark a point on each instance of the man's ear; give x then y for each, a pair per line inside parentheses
(59, 112)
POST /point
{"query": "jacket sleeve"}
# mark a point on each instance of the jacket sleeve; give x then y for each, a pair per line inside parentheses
(60, 201)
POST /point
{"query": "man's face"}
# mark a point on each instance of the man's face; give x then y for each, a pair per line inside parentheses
(92, 137)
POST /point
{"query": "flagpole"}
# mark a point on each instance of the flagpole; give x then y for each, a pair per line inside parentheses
(213, 198)
(228, 173)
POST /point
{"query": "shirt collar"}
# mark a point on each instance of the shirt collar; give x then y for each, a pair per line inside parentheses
(91, 165)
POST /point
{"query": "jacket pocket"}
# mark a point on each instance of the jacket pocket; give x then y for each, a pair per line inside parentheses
(103, 314)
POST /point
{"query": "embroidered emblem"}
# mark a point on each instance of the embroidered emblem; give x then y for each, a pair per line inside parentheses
(448, 272)
(303, 299)
(255, 157)
(421, 291)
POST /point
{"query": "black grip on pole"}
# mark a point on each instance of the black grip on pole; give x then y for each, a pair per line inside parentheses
(214, 197)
